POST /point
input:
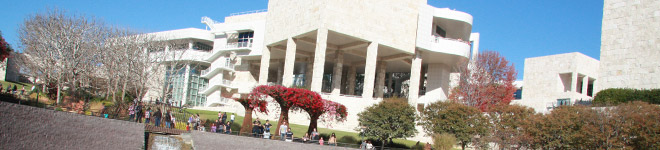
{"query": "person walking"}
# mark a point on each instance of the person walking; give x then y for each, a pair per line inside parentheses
(157, 117)
(139, 112)
(147, 115)
(131, 112)
(232, 117)
(224, 117)
(283, 130)
(168, 119)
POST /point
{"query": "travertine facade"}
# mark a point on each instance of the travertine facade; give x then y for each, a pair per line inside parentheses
(346, 50)
(562, 79)
(630, 45)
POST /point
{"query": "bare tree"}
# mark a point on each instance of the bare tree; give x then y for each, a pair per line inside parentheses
(61, 48)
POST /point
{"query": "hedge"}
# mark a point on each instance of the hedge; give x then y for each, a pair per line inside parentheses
(621, 95)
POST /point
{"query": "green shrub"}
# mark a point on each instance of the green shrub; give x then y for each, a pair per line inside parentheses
(621, 95)
(59, 109)
(444, 141)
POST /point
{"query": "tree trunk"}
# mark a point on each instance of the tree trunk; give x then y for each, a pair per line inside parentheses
(284, 117)
(463, 146)
(114, 93)
(382, 145)
(59, 93)
(247, 121)
(123, 92)
(313, 123)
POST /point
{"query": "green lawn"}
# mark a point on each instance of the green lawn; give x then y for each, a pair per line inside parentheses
(18, 85)
(298, 130)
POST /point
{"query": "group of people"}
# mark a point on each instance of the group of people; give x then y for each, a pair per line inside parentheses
(137, 112)
(14, 89)
(366, 145)
(261, 130)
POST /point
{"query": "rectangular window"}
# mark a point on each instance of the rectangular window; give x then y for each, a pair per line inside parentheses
(245, 39)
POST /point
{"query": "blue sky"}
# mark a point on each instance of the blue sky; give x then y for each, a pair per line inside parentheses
(518, 29)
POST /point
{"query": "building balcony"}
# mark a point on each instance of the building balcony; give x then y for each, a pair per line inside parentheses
(214, 86)
(233, 46)
(217, 102)
(217, 68)
(451, 46)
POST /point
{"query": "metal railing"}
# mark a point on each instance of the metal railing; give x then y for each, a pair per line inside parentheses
(238, 45)
(436, 39)
(248, 12)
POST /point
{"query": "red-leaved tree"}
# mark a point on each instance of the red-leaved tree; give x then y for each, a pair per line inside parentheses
(5, 48)
(280, 96)
(315, 106)
(250, 104)
(485, 81)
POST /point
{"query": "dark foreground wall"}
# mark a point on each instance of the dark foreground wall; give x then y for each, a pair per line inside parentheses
(208, 141)
(25, 127)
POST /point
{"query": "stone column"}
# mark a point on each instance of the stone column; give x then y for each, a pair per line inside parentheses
(337, 72)
(370, 70)
(280, 71)
(263, 68)
(389, 83)
(351, 79)
(308, 72)
(289, 62)
(415, 76)
(574, 79)
(190, 44)
(186, 79)
(319, 59)
(585, 85)
(380, 78)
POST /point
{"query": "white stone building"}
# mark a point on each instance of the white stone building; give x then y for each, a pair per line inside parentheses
(555, 80)
(352, 52)
(630, 45)
(629, 58)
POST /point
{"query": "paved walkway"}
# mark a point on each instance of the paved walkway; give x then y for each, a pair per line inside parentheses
(26, 127)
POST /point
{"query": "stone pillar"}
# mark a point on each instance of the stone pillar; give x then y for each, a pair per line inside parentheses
(370, 70)
(186, 79)
(319, 59)
(190, 44)
(289, 62)
(280, 71)
(574, 79)
(585, 85)
(380, 78)
(337, 72)
(415, 76)
(352, 71)
(263, 68)
(389, 83)
(308, 72)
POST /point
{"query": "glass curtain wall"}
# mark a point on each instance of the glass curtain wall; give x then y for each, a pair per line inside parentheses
(177, 89)
(195, 85)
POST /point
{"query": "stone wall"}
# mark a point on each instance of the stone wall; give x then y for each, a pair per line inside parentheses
(630, 45)
(25, 127)
(208, 140)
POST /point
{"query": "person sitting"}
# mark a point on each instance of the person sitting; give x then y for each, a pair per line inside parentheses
(228, 128)
(333, 140)
(289, 135)
(213, 128)
(315, 134)
(305, 138)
